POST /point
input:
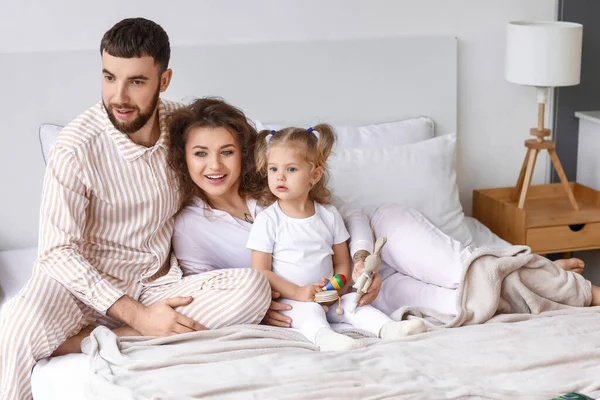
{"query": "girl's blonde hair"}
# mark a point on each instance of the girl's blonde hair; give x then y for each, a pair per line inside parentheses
(315, 147)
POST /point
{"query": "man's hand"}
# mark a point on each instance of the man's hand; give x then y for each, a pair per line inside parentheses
(160, 319)
(273, 317)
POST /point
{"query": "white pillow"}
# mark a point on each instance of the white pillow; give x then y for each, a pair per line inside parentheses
(420, 175)
(396, 133)
(48, 134)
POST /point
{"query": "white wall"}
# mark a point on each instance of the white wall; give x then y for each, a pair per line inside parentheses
(494, 116)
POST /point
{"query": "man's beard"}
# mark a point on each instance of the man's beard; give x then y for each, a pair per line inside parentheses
(132, 127)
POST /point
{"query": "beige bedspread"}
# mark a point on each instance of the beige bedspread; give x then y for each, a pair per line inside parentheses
(539, 357)
(508, 284)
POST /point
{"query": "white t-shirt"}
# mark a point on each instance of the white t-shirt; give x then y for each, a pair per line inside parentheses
(301, 247)
(206, 239)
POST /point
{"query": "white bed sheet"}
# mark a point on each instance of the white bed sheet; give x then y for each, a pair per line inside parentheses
(65, 377)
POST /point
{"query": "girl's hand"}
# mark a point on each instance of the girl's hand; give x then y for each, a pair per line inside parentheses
(341, 292)
(273, 316)
(308, 292)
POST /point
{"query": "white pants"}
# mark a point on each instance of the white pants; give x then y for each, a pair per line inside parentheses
(421, 266)
(310, 317)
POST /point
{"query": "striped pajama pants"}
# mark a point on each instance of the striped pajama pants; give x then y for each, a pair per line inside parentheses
(44, 314)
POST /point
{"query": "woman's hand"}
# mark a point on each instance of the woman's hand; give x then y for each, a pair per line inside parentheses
(373, 291)
(273, 316)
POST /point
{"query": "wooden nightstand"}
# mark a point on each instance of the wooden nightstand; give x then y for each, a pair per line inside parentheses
(547, 223)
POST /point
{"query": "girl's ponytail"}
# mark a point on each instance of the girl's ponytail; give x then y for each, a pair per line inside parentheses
(325, 143)
(323, 148)
(262, 162)
(260, 152)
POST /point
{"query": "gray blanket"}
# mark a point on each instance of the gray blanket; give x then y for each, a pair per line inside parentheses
(509, 284)
(556, 352)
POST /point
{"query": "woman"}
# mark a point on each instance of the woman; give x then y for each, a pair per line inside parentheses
(212, 152)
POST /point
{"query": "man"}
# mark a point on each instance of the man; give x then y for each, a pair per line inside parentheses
(106, 225)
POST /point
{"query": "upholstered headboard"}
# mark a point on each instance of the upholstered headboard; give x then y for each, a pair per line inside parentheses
(346, 82)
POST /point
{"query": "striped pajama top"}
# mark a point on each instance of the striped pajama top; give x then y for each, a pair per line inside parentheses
(107, 210)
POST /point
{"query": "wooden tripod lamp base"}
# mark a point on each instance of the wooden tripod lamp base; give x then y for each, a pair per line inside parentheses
(534, 146)
(542, 54)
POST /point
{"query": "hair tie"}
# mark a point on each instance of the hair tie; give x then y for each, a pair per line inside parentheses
(269, 136)
(314, 132)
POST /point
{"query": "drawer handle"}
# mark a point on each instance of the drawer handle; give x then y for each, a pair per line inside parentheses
(576, 227)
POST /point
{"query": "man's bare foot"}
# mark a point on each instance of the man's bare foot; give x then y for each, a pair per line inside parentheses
(126, 331)
(571, 264)
(73, 344)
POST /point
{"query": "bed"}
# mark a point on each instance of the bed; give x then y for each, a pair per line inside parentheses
(65, 377)
(377, 85)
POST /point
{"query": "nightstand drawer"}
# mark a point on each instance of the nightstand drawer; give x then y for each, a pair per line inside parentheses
(564, 238)
(547, 223)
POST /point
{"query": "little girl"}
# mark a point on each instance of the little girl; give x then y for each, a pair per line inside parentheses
(299, 242)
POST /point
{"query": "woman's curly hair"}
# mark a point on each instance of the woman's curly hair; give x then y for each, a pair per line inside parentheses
(211, 113)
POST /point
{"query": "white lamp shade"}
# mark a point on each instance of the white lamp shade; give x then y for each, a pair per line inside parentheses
(544, 54)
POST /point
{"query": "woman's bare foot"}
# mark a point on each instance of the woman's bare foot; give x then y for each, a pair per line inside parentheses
(571, 264)
(73, 344)
(595, 296)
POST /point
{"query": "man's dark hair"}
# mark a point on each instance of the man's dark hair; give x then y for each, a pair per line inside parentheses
(138, 37)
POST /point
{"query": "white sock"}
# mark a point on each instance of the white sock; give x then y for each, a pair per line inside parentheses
(328, 340)
(394, 330)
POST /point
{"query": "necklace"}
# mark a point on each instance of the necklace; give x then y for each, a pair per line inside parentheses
(248, 218)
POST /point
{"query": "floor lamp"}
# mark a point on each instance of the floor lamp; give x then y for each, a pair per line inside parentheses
(544, 55)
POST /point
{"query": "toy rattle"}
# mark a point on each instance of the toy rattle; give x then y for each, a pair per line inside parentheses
(372, 264)
(330, 293)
